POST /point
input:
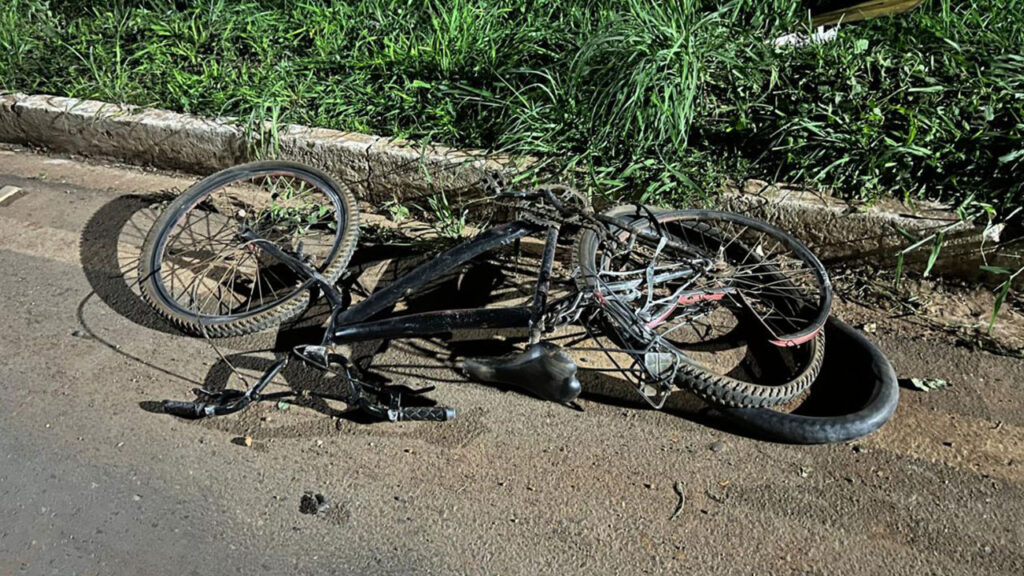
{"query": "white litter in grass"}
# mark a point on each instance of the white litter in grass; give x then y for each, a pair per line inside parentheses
(993, 232)
(820, 36)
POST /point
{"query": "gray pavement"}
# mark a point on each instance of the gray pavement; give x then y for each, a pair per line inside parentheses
(92, 481)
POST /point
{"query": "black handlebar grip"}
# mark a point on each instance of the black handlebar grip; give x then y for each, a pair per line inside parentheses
(434, 414)
(185, 409)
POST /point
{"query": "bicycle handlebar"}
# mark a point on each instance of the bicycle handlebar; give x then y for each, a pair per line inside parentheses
(194, 410)
(431, 413)
(407, 413)
(185, 409)
(203, 409)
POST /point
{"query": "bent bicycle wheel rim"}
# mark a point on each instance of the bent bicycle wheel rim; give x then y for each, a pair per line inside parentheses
(734, 385)
(819, 286)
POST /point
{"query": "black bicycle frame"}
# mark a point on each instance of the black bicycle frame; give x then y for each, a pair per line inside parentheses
(556, 382)
(355, 323)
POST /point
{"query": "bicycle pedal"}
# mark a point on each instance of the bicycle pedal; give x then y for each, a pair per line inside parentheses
(659, 364)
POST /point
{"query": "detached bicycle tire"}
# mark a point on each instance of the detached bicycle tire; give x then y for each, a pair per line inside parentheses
(854, 362)
(285, 219)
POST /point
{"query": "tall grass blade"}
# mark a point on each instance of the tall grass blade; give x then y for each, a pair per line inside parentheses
(1004, 289)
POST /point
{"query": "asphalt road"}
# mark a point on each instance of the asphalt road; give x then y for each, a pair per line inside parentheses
(93, 481)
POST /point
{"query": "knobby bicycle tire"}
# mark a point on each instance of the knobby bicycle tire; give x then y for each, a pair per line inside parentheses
(266, 316)
(863, 365)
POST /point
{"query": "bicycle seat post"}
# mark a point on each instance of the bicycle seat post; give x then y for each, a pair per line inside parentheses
(540, 294)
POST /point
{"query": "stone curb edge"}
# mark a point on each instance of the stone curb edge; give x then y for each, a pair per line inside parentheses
(381, 169)
(377, 168)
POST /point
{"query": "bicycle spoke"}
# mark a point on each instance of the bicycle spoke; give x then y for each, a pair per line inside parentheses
(204, 269)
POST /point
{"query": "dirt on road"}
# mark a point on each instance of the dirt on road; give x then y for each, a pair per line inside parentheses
(93, 480)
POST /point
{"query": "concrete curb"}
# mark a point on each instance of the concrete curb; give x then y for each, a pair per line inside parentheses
(842, 233)
(378, 169)
(381, 169)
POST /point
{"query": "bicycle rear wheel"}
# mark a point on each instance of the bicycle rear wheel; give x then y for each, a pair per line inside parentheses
(737, 304)
(197, 271)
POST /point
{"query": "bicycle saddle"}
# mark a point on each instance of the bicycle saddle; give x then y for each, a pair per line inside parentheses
(542, 369)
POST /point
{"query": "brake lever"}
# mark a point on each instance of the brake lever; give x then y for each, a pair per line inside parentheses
(217, 397)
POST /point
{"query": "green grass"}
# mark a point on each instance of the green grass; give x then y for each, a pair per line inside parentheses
(638, 98)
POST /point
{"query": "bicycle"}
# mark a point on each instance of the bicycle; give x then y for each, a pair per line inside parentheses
(250, 247)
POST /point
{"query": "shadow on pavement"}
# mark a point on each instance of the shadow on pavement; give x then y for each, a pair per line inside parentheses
(109, 251)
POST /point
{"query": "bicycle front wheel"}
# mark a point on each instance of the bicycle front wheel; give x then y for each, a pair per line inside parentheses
(198, 271)
(737, 303)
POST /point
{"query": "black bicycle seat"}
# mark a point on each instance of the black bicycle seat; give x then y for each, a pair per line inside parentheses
(542, 369)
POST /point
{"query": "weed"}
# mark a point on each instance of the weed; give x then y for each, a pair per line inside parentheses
(634, 99)
(968, 212)
(448, 221)
(263, 131)
(397, 211)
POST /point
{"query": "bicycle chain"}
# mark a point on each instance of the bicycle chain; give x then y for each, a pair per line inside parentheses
(543, 214)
